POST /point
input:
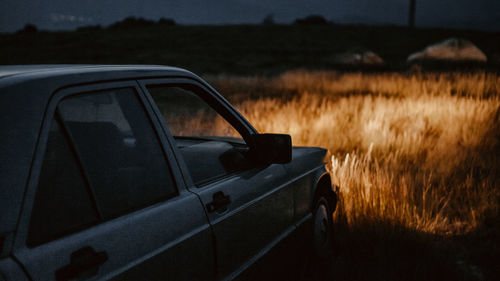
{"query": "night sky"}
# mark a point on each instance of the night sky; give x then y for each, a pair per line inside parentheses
(68, 14)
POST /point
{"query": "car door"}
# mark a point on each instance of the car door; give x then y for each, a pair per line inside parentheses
(250, 206)
(106, 199)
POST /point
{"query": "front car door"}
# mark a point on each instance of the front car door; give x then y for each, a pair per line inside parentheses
(250, 206)
(106, 199)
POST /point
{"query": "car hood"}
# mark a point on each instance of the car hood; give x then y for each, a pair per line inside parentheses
(305, 159)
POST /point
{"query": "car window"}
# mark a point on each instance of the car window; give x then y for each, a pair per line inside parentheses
(118, 149)
(210, 145)
(189, 115)
(103, 159)
(62, 201)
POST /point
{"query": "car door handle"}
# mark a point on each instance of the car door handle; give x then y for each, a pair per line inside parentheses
(84, 264)
(219, 203)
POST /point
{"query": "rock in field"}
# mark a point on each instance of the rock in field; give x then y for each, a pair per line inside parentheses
(452, 49)
(358, 57)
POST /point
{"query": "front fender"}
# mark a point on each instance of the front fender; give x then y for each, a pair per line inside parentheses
(324, 187)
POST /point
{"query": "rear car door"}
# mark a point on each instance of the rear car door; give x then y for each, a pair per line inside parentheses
(106, 199)
(250, 206)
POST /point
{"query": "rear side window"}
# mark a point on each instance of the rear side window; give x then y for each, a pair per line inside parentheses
(110, 163)
(118, 149)
(62, 202)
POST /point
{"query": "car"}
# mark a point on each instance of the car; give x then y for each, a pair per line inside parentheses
(135, 172)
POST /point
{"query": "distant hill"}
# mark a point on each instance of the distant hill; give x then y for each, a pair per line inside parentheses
(236, 49)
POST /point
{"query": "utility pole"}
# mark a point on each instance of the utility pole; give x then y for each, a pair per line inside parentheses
(411, 18)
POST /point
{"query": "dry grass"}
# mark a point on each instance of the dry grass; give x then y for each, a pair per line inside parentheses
(413, 152)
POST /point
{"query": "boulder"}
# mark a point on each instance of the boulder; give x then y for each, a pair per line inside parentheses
(358, 57)
(452, 49)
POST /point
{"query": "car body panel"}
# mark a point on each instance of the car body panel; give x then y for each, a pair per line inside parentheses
(154, 224)
(146, 239)
(305, 169)
(11, 270)
(260, 210)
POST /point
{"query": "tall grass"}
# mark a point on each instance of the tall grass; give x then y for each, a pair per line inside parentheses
(418, 152)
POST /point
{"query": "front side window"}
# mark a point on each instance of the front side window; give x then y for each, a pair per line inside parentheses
(210, 145)
(188, 115)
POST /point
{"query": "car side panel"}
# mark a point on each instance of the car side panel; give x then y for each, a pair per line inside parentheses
(11, 271)
(302, 195)
(261, 209)
(176, 264)
(137, 245)
(304, 171)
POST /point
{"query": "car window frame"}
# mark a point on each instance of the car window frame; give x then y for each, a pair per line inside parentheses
(40, 148)
(217, 102)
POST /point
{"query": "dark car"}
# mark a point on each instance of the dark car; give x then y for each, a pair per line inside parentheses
(144, 173)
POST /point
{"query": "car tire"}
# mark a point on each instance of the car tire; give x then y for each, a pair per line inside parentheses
(322, 234)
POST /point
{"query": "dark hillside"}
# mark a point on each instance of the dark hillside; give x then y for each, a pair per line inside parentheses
(239, 49)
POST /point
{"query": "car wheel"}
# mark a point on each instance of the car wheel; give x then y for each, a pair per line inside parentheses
(323, 229)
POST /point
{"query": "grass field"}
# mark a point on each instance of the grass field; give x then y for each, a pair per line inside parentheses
(416, 157)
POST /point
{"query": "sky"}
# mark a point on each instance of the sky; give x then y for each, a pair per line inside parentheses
(69, 14)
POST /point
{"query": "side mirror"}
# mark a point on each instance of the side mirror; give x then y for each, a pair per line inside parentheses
(272, 148)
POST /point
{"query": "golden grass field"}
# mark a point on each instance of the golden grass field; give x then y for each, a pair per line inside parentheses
(416, 157)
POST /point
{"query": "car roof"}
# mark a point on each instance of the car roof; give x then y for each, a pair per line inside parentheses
(51, 70)
(8, 70)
